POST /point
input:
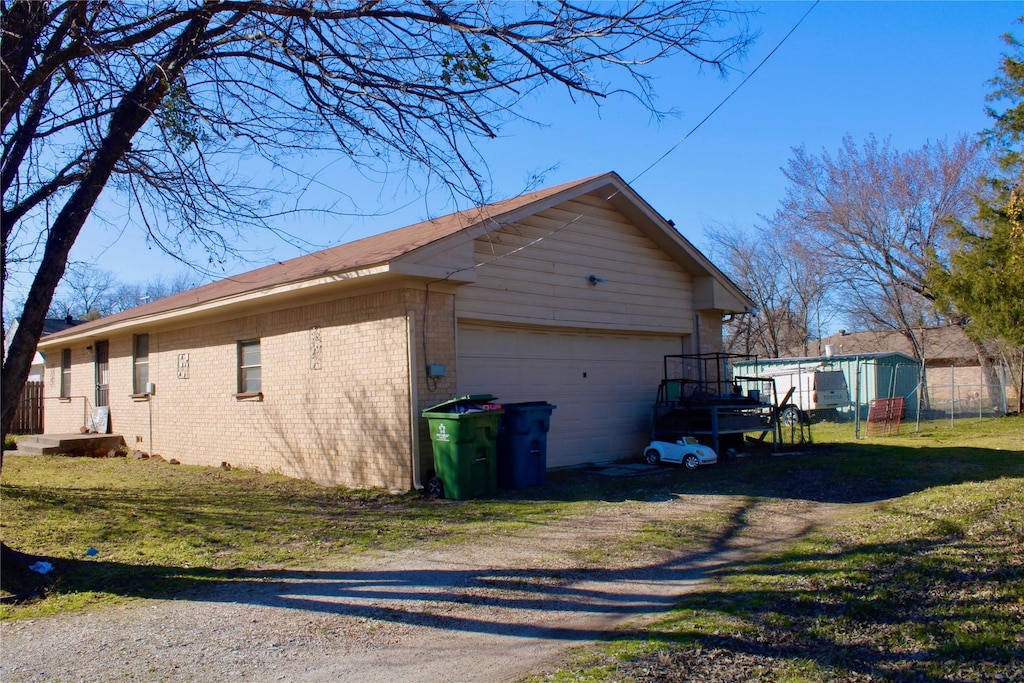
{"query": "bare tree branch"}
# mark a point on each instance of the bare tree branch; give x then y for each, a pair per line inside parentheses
(156, 104)
(879, 217)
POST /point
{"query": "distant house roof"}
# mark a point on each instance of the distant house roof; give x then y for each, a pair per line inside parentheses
(812, 360)
(396, 252)
(50, 326)
(946, 345)
(54, 325)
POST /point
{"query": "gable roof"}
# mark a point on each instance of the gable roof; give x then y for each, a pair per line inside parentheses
(396, 251)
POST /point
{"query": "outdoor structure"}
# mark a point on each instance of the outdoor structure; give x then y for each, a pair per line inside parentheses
(698, 398)
(319, 367)
(954, 377)
(869, 377)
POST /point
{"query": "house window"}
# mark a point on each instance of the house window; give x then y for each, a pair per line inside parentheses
(140, 377)
(249, 370)
(65, 373)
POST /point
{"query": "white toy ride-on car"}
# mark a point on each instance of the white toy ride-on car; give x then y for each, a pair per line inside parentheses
(687, 450)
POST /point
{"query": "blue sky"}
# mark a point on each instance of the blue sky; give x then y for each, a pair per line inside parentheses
(915, 71)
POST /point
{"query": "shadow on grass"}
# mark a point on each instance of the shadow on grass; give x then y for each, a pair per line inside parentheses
(847, 473)
(413, 595)
(896, 611)
(851, 473)
(935, 609)
(892, 611)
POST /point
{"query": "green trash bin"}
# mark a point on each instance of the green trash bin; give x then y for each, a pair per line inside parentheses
(463, 432)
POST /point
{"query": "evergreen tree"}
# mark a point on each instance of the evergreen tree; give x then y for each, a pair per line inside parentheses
(984, 279)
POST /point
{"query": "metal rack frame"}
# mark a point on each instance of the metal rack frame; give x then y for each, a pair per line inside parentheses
(697, 397)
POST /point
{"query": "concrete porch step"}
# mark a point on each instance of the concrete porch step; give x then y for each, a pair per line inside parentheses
(70, 444)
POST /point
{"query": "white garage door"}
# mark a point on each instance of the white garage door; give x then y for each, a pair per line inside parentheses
(603, 385)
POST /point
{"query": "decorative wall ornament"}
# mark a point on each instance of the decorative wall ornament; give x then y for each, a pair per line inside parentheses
(315, 348)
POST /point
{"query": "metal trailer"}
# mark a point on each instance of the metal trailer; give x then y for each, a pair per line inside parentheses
(698, 398)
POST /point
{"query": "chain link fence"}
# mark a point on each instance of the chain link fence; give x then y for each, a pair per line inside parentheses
(927, 394)
(878, 393)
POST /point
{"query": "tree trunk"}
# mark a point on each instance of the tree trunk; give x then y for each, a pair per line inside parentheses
(990, 381)
(1020, 387)
(132, 112)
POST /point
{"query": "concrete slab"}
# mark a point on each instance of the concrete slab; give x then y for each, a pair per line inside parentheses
(70, 444)
(626, 470)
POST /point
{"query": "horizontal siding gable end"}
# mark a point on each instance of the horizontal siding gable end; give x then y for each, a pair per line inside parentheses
(538, 272)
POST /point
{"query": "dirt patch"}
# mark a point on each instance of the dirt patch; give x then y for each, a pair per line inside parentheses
(496, 610)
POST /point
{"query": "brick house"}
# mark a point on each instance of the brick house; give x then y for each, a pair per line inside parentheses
(319, 367)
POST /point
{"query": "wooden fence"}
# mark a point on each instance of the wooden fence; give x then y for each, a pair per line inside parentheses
(28, 418)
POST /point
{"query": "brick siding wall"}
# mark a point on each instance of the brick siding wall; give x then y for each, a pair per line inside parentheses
(435, 344)
(335, 407)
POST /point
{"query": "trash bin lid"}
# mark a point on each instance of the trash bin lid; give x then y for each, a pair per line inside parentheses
(451, 403)
(527, 405)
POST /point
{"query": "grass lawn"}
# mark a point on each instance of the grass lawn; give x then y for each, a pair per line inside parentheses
(118, 528)
(925, 584)
(923, 581)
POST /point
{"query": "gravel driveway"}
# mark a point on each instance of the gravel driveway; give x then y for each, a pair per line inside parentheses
(493, 611)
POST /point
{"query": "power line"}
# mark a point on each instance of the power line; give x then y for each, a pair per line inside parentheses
(727, 97)
(660, 158)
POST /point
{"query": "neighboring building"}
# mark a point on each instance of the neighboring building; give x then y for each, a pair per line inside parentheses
(943, 346)
(28, 417)
(319, 367)
(954, 375)
(50, 326)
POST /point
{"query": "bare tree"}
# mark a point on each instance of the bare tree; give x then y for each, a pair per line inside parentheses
(747, 260)
(86, 292)
(876, 217)
(158, 102)
(787, 283)
(812, 284)
(127, 295)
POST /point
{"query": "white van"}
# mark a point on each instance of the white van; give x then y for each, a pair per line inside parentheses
(814, 390)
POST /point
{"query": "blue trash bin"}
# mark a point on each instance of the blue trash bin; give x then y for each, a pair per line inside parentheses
(522, 446)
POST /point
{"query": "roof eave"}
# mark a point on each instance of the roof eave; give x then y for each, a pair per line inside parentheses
(221, 306)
